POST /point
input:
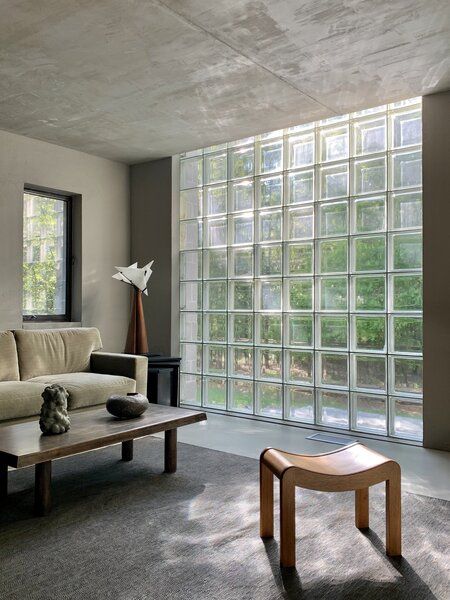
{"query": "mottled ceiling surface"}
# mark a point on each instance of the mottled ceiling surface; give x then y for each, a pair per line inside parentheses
(139, 79)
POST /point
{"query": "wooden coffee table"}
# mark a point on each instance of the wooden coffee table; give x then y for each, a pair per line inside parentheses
(23, 445)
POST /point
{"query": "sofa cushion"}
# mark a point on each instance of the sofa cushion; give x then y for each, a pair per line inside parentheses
(53, 351)
(88, 389)
(9, 366)
(19, 399)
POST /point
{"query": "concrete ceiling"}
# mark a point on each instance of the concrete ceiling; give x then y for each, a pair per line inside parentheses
(139, 79)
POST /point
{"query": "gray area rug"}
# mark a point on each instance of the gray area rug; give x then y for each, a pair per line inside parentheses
(125, 531)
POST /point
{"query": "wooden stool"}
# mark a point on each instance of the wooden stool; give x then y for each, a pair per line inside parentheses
(354, 467)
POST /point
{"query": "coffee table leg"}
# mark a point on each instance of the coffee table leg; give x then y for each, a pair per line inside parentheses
(127, 450)
(170, 451)
(42, 488)
(3, 481)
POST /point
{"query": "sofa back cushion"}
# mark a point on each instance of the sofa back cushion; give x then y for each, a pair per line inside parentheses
(9, 366)
(54, 351)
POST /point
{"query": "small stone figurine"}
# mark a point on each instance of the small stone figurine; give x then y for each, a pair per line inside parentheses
(54, 417)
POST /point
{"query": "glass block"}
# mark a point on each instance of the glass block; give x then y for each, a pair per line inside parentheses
(268, 329)
(270, 260)
(333, 293)
(215, 264)
(215, 359)
(334, 143)
(270, 191)
(189, 153)
(299, 330)
(407, 333)
(300, 186)
(301, 223)
(333, 331)
(369, 215)
(406, 210)
(270, 226)
(334, 181)
(300, 366)
(333, 256)
(369, 111)
(215, 327)
(271, 156)
(299, 404)
(300, 294)
(215, 200)
(241, 142)
(215, 167)
(241, 295)
(407, 375)
(190, 235)
(241, 262)
(301, 150)
(191, 172)
(191, 358)
(241, 328)
(241, 361)
(190, 265)
(271, 134)
(270, 294)
(332, 408)
(369, 293)
(240, 395)
(407, 292)
(369, 253)
(331, 120)
(241, 195)
(370, 136)
(216, 232)
(406, 169)
(191, 203)
(215, 392)
(333, 219)
(242, 162)
(300, 258)
(403, 103)
(190, 327)
(369, 175)
(333, 369)
(269, 400)
(369, 333)
(369, 372)
(407, 418)
(406, 251)
(190, 389)
(215, 295)
(268, 364)
(242, 228)
(191, 295)
(370, 413)
(406, 128)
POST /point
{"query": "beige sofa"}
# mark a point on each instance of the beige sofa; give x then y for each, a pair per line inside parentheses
(32, 359)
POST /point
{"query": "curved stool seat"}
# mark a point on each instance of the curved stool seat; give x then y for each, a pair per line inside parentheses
(353, 467)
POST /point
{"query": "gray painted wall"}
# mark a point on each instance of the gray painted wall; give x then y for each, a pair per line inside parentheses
(436, 228)
(151, 226)
(105, 216)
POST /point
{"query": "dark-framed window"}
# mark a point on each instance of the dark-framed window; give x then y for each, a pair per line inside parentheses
(47, 256)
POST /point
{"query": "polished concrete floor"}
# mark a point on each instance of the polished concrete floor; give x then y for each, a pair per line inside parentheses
(424, 471)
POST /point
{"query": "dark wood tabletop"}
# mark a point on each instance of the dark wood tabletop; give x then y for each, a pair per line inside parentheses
(23, 444)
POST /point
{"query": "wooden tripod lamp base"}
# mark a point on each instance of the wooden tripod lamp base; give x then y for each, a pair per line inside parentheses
(137, 332)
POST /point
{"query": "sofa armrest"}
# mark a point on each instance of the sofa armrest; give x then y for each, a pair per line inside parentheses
(128, 365)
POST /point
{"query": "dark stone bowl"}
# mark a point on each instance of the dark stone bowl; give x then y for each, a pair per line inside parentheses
(130, 406)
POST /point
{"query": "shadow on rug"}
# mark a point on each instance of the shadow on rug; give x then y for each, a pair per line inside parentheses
(125, 531)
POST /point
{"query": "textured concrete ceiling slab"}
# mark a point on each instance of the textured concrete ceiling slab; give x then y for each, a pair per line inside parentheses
(138, 79)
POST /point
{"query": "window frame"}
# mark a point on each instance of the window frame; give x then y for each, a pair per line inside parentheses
(68, 200)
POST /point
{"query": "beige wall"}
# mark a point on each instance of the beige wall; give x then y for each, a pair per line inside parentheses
(105, 216)
(436, 268)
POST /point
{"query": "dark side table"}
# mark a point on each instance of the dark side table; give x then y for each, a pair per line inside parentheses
(156, 364)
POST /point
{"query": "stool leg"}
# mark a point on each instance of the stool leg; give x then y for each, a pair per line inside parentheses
(266, 501)
(362, 508)
(287, 521)
(394, 516)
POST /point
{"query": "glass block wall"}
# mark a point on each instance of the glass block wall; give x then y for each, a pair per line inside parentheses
(301, 273)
